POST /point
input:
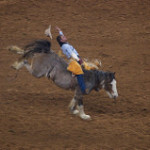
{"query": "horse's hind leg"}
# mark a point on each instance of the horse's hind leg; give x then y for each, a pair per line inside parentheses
(28, 67)
(18, 64)
(72, 107)
(31, 70)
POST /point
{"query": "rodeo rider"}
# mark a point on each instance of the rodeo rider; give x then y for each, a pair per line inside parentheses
(71, 53)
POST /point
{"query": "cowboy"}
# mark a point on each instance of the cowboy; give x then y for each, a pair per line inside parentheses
(71, 53)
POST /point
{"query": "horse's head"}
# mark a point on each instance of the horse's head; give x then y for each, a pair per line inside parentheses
(109, 84)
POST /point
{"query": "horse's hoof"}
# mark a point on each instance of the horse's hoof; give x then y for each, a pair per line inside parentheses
(75, 112)
(85, 117)
(17, 65)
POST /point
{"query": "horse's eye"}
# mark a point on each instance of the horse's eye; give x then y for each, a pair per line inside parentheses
(108, 86)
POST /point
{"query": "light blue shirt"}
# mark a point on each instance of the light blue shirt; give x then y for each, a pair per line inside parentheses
(68, 49)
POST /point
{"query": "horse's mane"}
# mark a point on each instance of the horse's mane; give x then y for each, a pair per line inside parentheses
(99, 75)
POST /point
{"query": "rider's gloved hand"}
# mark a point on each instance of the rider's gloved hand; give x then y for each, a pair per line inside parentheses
(80, 61)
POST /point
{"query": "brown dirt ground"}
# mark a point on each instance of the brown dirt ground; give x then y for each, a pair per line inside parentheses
(34, 113)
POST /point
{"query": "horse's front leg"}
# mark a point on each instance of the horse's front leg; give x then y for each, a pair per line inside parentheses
(80, 108)
(72, 105)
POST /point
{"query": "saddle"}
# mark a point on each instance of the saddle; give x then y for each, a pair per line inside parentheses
(75, 68)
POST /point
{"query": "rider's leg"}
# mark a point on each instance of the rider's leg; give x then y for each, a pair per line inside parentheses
(81, 83)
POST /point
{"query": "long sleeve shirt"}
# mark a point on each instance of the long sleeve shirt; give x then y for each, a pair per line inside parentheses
(68, 49)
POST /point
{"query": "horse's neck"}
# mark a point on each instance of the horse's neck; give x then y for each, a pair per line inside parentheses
(102, 75)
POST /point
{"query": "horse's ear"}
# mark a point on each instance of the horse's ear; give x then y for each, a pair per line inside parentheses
(114, 73)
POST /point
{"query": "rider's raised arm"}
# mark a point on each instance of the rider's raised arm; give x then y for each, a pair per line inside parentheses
(59, 30)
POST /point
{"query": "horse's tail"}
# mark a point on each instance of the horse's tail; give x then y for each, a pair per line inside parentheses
(39, 46)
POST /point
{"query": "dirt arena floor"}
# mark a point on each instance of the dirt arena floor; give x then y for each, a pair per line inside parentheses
(34, 112)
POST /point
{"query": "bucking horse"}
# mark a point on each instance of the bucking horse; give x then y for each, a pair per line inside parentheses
(46, 63)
